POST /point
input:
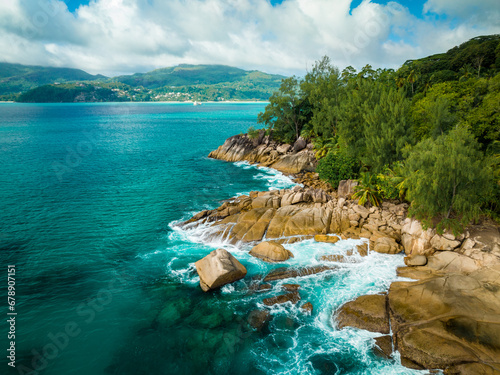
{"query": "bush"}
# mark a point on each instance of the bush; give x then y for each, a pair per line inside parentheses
(337, 166)
(391, 183)
(252, 132)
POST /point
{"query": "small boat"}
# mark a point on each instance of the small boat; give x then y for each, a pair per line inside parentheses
(197, 103)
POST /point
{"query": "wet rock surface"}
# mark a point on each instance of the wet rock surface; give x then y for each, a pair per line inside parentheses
(383, 346)
(266, 152)
(258, 319)
(307, 307)
(219, 268)
(444, 320)
(292, 297)
(366, 312)
(286, 273)
(447, 317)
(271, 252)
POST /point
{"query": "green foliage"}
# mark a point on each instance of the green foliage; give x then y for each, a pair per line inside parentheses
(68, 94)
(367, 190)
(484, 117)
(447, 102)
(435, 113)
(323, 146)
(447, 177)
(16, 78)
(180, 83)
(361, 94)
(473, 102)
(337, 166)
(287, 112)
(387, 128)
(323, 89)
(374, 122)
(391, 183)
(478, 56)
(252, 132)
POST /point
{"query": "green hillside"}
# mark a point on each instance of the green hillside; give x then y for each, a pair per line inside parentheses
(70, 93)
(17, 78)
(179, 83)
(185, 75)
(479, 56)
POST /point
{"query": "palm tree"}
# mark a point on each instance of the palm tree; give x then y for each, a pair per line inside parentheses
(412, 77)
(324, 146)
(366, 191)
(466, 72)
(400, 82)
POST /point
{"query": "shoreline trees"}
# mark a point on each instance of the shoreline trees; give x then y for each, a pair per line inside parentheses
(429, 131)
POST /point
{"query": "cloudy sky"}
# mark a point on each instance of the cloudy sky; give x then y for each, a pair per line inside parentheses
(277, 36)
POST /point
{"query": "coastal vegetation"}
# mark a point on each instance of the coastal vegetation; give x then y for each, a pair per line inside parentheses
(428, 133)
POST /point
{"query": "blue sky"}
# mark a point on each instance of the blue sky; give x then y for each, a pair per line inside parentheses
(278, 36)
(74, 4)
(415, 7)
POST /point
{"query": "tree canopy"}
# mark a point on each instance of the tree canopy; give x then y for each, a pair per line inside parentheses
(428, 132)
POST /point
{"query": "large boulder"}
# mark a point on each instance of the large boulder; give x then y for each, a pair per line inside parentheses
(339, 221)
(292, 221)
(416, 260)
(252, 225)
(416, 240)
(442, 243)
(299, 144)
(235, 148)
(386, 245)
(365, 312)
(284, 148)
(303, 161)
(448, 320)
(449, 261)
(346, 188)
(271, 252)
(266, 152)
(219, 268)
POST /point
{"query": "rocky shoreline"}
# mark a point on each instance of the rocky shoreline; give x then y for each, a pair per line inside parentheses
(447, 318)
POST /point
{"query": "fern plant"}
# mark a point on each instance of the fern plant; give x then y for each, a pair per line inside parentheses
(391, 184)
(324, 146)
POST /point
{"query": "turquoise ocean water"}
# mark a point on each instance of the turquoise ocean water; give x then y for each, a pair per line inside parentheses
(105, 281)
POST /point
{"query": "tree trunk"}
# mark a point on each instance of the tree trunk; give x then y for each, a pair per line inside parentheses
(451, 205)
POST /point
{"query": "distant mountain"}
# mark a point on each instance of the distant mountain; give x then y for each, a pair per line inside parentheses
(188, 75)
(178, 83)
(17, 78)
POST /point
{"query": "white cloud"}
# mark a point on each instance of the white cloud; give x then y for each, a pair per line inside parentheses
(125, 36)
(483, 10)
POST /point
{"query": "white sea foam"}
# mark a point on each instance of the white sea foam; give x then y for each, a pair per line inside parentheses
(149, 255)
(275, 180)
(317, 336)
(312, 337)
